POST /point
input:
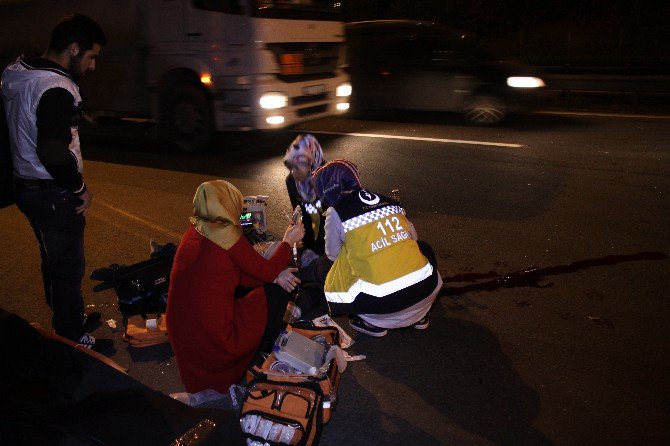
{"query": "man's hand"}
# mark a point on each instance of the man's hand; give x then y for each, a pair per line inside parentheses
(86, 198)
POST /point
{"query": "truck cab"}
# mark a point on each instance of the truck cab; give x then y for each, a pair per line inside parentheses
(199, 66)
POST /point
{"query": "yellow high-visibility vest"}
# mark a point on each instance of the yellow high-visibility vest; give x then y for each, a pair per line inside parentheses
(379, 256)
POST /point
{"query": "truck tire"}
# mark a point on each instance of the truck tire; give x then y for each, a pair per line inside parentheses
(360, 108)
(186, 118)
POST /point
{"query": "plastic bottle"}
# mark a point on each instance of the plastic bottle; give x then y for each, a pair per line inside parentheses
(275, 432)
(287, 433)
(250, 423)
(263, 428)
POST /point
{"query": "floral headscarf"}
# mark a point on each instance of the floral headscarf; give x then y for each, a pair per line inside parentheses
(306, 150)
(336, 180)
(217, 206)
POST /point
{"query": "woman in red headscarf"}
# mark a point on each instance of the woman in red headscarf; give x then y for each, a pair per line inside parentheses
(225, 300)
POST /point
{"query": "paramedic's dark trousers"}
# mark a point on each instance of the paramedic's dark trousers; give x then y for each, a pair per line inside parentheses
(59, 230)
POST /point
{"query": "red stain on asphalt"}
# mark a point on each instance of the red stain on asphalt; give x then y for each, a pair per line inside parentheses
(533, 276)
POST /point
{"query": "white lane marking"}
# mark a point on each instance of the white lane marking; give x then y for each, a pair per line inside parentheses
(418, 138)
(604, 115)
(132, 216)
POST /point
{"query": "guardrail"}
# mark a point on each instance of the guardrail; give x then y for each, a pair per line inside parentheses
(610, 83)
(628, 92)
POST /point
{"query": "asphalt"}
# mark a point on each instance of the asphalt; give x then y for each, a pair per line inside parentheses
(553, 326)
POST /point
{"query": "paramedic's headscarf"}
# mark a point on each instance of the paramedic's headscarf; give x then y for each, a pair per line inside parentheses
(217, 206)
(305, 149)
(336, 180)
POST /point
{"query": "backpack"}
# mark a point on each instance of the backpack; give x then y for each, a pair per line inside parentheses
(6, 169)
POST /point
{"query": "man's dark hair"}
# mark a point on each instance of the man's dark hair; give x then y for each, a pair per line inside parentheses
(76, 28)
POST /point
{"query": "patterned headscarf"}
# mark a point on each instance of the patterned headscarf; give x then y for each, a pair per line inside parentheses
(306, 150)
(336, 180)
(217, 206)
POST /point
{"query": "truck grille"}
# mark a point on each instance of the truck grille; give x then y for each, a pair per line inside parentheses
(300, 100)
(312, 110)
(319, 60)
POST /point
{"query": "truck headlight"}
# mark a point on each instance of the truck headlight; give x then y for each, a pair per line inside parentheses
(525, 82)
(343, 90)
(271, 101)
(274, 120)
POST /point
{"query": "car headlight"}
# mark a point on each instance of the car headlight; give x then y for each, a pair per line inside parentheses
(343, 90)
(525, 82)
(271, 101)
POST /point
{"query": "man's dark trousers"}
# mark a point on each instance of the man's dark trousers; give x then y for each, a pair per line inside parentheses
(59, 230)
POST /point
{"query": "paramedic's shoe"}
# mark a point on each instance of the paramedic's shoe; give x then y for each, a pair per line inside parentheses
(99, 345)
(359, 324)
(422, 323)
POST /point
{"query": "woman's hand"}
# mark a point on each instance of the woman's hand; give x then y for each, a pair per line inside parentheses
(287, 280)
(294, 233)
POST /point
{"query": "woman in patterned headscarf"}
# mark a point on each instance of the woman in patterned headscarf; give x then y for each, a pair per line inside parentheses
(225, 300)
(303, 156)
(381, 276)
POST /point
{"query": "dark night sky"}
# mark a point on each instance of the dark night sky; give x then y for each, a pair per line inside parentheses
(546, 32)
(554, 32)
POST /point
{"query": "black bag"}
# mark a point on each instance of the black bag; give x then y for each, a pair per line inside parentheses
(6, 170)
(143, 287)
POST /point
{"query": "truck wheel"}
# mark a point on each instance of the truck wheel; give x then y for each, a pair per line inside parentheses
(485, 110)
(186, 118)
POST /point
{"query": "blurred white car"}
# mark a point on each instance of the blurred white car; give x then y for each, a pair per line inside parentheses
(406, 64)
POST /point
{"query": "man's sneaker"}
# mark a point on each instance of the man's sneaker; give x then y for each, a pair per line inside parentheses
(97, 345)
(91, 321)
(422, 323)
(359, 324)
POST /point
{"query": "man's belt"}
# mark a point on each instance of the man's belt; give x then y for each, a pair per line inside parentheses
(33, 183)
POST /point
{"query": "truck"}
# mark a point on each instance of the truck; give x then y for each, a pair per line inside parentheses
(194, 67)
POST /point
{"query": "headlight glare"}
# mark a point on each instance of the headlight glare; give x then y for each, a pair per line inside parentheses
(525, 82)
(271, 101)
(343, 90)
(274, 120)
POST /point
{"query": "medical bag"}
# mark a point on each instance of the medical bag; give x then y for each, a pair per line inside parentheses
(285, 407)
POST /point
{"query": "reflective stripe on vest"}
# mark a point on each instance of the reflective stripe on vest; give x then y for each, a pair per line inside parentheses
(381, 290)
(313, 208)
(378, 257)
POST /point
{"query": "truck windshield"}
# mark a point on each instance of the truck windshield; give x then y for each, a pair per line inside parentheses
(297, 9)
(227, 6)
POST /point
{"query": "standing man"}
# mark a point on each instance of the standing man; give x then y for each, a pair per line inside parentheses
(44, 108)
